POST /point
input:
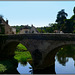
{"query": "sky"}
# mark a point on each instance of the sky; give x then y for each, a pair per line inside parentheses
(38, 13)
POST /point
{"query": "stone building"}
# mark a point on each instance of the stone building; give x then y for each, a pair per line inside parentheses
(33, 30)
(28, 29)
(13, 30)
(4, 27)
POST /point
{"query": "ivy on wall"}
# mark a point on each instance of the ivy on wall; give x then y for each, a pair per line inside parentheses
(2, 29)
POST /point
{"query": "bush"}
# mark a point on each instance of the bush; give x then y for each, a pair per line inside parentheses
(20, 47)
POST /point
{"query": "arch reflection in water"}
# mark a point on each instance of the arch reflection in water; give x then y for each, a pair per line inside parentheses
(27, 69)
(24, 69)
(47, 70)
(67, 69)
(65, 60)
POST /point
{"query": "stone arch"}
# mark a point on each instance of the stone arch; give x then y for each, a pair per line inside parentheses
(9, 48)
(49, 59)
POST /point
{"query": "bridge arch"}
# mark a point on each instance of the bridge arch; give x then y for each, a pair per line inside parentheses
(50, 56)
(9, 48)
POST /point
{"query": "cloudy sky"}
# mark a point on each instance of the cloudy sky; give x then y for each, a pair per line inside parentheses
(38, 13)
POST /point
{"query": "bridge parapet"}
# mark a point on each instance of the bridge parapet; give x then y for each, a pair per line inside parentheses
(56, 37)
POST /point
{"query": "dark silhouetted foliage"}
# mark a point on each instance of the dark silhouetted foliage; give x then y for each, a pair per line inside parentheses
(61, 16)
(74, 10)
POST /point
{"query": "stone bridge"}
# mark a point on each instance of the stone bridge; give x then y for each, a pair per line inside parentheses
(41, 46)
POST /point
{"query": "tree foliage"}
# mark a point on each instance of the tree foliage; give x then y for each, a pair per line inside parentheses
(74, 10)
(61, 16)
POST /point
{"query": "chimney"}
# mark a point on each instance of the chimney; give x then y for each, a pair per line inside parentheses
(6, 21)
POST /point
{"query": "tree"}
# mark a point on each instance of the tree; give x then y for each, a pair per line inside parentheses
(61, 16)
(68, 26)
(74, 10)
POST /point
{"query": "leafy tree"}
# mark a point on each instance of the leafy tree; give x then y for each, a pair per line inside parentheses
(74, 10)
(68, 26)
(61, 16)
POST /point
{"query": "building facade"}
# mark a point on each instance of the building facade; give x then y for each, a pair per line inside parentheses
(26, 29)
(5, 27)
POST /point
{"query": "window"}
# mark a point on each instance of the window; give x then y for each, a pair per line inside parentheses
(26, 31)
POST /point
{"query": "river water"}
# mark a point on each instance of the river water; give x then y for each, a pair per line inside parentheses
(64, 62)
(69, 68)
(24, 69)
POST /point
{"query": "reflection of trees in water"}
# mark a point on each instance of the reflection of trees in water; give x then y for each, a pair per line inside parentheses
(64, 53)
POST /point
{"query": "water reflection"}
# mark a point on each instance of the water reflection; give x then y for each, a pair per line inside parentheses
(48, 70)
(65, 60)
(27, 69)
(64, 63)
(24, 69)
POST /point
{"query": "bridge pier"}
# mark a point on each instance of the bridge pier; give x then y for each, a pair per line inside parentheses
(41, 62)
(41, 51)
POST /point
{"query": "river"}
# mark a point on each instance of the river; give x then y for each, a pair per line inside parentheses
(64, 62)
